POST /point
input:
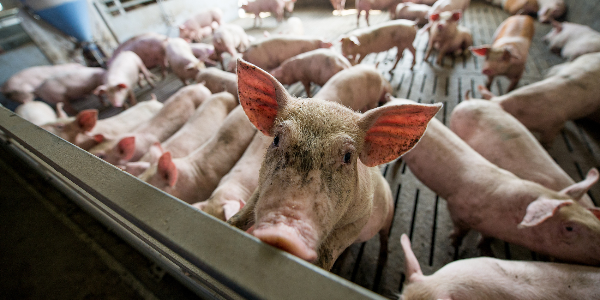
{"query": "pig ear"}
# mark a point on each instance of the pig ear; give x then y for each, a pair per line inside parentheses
(507, 55)
(181, 27)
(456, 15)
(87, 119)
(392, 130)
(122, 85)
(434, 17)
(231, 207)
(167, 169)
(100, 90)
(577, 190)
(354, 40)
(542, 209)
(261, 95)
(99, 138)
(481, 50)
(126, 147)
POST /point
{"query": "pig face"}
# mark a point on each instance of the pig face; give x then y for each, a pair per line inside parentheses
(185, 33)
(350, 46)
(556, 38)
(445, 22)
(497, 60)
(69, 129)
(116, 94)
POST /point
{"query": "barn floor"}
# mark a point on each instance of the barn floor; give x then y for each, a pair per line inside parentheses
(419, 212)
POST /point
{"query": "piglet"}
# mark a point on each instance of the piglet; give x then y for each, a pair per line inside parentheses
(204, 52)
(505, 142)
(508, 52)
(313, 66)
(359, 88)
(398, 33)
(447, 36)
(490, 278)
(541, 106)
(412, 11)
(150, 47)
(122, 74)
(269, 53)
(367, 5)
(71, 85)
(36, 112)
(194, 177)
(230, 38)
(572, 40)
(319, 188)
(498, 204)
(200, 25)
(551, 10)
(255, 7)
(182, 60)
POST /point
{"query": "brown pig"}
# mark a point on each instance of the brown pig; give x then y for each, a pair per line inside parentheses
(572, 40)
(200, 25)
(498, 204)
(269, 53)
(490, 278)
(150, 47)
(360, 88)
(237, 186)
(508, 52)
(36, 112)
(398, 33)
(412, 11)
(517, 7)
(447, 36)
(71, 85)
(505, 142)
(218, 81)
(313, 66)
(182, 61)
(175, 112)
(230, 38)
(194, 177)
(319, 188)
(367, 5)
(542, 106)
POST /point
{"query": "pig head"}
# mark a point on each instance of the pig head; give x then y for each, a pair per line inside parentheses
(116, 94)
(319, 190)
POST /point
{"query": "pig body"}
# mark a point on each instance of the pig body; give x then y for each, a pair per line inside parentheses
(541, 106)
(572, 40)
(520, 7)
(508, 52)
(194, 177)
(218, 81)
(71, 85)
(200, 25)
(490, 278)
(255, 7)
(360, 88)
(150, 47)
(449, 5)
(319, 190)
(496, 203)
(412, 11)
(338, 5)
(447, 36)
(316, 66)
(505, 142)
(204, 52)
(19, 87)
(426, 2)
(398, 33)
(120, 77)
(237, 186)
(230, 38)
(271, 52)
(551, 10)
(36, 112)
(367, 5)
(182, 60)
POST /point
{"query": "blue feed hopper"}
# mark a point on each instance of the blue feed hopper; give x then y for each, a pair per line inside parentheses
(69, 16)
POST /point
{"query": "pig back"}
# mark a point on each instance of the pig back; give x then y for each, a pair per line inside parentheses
(387, 35)
(271, 52)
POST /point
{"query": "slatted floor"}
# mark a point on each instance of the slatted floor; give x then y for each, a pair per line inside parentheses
(419, 212)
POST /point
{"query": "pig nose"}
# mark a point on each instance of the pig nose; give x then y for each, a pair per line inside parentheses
(487, 72)
(286, 239)
(440, 26)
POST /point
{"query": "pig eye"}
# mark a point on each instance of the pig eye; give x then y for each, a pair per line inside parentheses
(347, 157)
(276, 141)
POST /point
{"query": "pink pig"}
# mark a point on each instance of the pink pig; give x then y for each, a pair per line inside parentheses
(230, 38)
(269, 53)
(367, 5)
(412, 11)
(204, 52)
(313, 66)
(572, 40)
(71, 85)
(150, 47)
(182, 60)
(200, 25)
(490, 278)
(122, 74)
(257, 6)
(319, 188)
(36, 112)
(218, 81)
(447, 36)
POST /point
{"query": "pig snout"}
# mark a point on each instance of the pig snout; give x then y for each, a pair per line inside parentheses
(488, 72)
(286, 238)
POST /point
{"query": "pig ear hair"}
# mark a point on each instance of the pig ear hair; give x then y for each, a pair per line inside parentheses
(126, 147)
(393, 130)
(481, 50)
(434, 17)
(354, 39)
(577, 190)
(86, 119)
(540, 210)
(260, 94)
(167, 169)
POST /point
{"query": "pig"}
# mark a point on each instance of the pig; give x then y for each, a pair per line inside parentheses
(508, 52)
(498, 204)
(398, 33)
(36, 112)
(120, 77)
(237, 186)
(174, 114)
(490, 278)
(200, 127)
(313, 66)
(200, 25)
(204, 52)
(505, 142)
(367, 5)
(218, 81)
(71, 85)
(551, 10)
(20, 86)
(572, 40)
(338, 5)
(319, 188)
(255, 7)
(194, 177)
(447, 36)
(182, 61)
(412, 11)
(426, 2)
(150, 47)
(541, 106)
(448, 5)
(517, 7)
(230, 38)
(360, 88)
(269, 53)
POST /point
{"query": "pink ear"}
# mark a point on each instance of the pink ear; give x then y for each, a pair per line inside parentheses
(326, 45)
(392, 130)
(434, 17)
(87, 119)
(122, 86)
(577, 190)
(540, 210)
(126, 147)
(260, 94)
(456, 15)
(99, 138)
(231, 207)
(481, 51)
(167, 169)
(100, 90)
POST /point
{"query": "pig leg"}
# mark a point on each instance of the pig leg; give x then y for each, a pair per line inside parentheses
(458, 234)
(399, 55)
(440, 57)
(367, 17)
(132, 100)
(488, 85)
(307, 88)
(147, 75)
(485, 246)
(513, 83)
(429, 48)
(412, 50)
(244, 218)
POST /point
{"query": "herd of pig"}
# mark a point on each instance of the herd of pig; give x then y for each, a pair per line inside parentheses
(301, 173)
